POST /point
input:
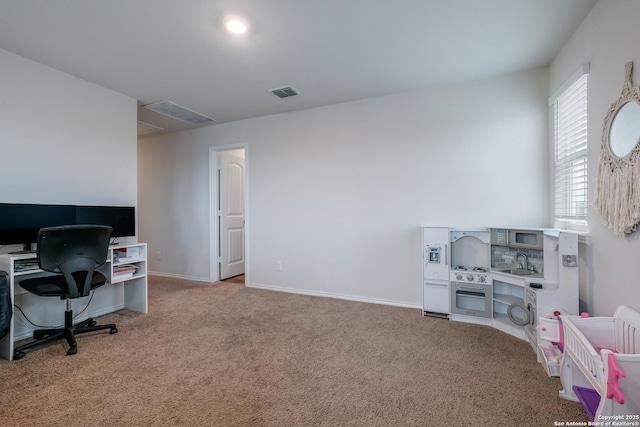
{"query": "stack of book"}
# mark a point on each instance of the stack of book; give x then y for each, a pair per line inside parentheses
(124, 271)
(127, 254)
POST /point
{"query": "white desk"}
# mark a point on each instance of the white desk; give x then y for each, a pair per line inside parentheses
(122, 291)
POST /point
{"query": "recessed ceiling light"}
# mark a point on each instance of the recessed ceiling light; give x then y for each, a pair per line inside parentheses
(237, 27)
(236, 24)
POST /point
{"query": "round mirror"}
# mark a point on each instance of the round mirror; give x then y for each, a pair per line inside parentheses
(625, 129)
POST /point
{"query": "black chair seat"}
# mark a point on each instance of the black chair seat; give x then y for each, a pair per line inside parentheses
(56, 286)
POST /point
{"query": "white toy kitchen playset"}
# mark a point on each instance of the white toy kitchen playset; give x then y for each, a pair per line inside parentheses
(505, 278)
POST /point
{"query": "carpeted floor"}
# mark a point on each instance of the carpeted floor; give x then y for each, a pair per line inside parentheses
(225, 355)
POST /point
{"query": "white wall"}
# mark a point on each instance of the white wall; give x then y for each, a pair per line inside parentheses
(338, 193)
(173, 201)
(64, 140)
(607, 39)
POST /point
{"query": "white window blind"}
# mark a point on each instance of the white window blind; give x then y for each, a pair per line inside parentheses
(570, 117)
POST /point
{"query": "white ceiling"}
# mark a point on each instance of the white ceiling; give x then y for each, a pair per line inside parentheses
(332, 51)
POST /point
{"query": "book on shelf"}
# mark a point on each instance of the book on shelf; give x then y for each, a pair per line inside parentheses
(127, 254)
(127, 258)
(122, 275)
(124, 271)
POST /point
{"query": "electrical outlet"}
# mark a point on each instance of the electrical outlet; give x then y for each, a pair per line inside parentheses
(278, 265)
(158, 256)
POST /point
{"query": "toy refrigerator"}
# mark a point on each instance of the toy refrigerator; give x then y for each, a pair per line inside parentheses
(436, 256)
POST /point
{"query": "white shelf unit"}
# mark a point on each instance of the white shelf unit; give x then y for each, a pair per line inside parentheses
(119, 293)
(135, 285)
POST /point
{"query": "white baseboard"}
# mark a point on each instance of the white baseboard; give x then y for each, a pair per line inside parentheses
(298, 291)
(332, 295)
(177, 276)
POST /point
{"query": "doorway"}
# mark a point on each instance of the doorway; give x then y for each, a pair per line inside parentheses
(228, 212)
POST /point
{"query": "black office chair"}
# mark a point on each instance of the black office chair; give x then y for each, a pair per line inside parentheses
(5, 305)
(74, 252)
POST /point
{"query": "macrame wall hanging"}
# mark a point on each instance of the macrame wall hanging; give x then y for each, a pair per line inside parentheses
(617, 186)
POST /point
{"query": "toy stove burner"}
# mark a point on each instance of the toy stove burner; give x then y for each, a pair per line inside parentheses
(461, 273)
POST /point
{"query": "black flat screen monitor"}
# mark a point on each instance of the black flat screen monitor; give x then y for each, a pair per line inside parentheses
(122, 219)
(20, 223)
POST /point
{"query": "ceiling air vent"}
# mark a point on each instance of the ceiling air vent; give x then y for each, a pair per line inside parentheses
(285, 91)
(178, 112)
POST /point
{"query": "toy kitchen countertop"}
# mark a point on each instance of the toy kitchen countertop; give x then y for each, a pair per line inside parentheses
(525, 281)
(520, 273)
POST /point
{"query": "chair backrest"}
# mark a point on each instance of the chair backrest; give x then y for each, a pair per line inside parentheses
(70, 249)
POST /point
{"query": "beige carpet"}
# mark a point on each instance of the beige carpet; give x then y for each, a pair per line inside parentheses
(225, 355)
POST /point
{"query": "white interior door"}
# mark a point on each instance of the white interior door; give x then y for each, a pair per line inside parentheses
(231, 215)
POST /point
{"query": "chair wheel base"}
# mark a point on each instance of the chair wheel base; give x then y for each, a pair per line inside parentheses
(45, 336)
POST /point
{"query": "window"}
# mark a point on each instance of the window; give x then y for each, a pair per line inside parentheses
(569, 109)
